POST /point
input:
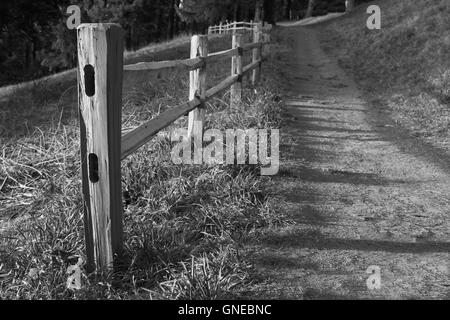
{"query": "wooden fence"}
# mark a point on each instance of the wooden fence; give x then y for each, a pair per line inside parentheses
(100, 73)
(238, 27)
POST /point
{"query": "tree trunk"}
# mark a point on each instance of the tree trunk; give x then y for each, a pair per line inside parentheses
(33, 52)
(235, 10)
(27, 55)
(171, 25)
(288, 12)
(349, 4)
(176, 26)
(309, 11)
(259, 11)
(160, 25)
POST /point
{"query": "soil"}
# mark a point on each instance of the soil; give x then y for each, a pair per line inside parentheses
(360, 191)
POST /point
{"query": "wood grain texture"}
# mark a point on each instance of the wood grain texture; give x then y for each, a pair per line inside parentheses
(189, 64)
(225, 84)
(136, 138)
(217, 56)
(100, 74)
(252, 66)
(251, 46)
(236, 69)
(256, 54)
(197, 87)
(101, 46)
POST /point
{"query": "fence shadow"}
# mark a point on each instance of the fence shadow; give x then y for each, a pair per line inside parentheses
(317, 240)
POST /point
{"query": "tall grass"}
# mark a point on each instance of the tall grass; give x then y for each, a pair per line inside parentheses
(405, 64)
(184, 225)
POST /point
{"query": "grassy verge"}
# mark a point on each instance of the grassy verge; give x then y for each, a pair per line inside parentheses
(404, 65)
(184, 225)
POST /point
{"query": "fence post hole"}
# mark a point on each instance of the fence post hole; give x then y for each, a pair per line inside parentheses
(100, 68)
(197, 88)
(256, 53)
(236, 69)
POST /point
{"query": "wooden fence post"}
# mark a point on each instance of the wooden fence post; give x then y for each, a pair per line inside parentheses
(236, 69)
(197, 87)
(256, 54)
(220, 27)
(100, 68)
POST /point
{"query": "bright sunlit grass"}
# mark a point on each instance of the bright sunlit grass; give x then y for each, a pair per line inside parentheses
(183, 224)
(405, 63)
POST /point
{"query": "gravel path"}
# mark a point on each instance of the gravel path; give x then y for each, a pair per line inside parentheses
(360, 193)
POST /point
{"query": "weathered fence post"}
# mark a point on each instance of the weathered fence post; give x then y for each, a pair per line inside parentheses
(100, 68)
(197, 87)
(220, 27)
(236, 69)
(256, 53)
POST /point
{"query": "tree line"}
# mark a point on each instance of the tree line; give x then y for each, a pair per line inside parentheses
(35, 41)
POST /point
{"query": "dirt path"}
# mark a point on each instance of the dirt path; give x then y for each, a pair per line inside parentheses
(360, 193)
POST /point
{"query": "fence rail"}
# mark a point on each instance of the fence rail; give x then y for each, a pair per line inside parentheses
(234, 27)
(100, 67)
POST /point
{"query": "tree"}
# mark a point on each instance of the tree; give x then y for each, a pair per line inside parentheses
(34, 39)
(309, 11)
(201, 10)
(259, 11)
(349, 5)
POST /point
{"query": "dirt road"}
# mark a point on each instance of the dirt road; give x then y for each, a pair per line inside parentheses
(360, 193)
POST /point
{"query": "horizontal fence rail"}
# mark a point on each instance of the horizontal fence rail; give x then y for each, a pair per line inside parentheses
(234, 27)
(103, 147)
(138, 137)
(189, 64)
(223, 54)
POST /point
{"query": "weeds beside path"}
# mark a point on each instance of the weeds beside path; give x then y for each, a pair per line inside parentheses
(360, 192)
(183, 225)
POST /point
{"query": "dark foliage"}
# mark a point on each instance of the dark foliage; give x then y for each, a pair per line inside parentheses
(34, 39)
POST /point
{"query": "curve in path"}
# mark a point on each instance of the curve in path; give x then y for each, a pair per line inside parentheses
(357, 195)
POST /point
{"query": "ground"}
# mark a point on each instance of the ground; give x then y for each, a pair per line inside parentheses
(360, 191)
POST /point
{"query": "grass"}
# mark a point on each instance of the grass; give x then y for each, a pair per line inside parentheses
(66, 80)
(184, 225)
(404, 65)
